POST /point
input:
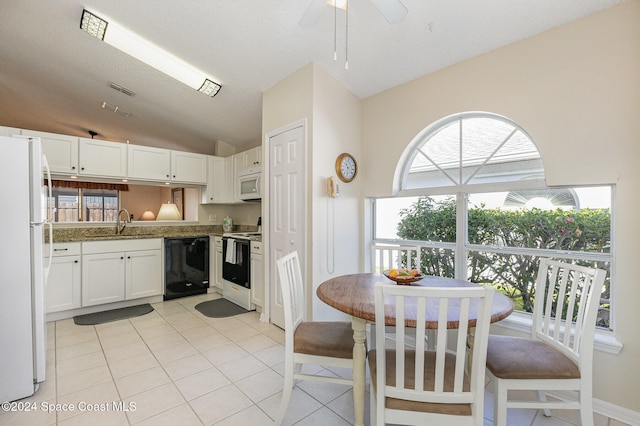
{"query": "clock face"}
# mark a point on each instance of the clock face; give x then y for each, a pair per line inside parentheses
(346, 167)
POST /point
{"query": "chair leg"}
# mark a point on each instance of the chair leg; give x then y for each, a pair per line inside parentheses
(372, 406)
(499, 403)
(586, 407)
(542, 397)
(286, 390)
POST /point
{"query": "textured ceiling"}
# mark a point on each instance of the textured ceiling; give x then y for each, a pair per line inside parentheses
(53, 76)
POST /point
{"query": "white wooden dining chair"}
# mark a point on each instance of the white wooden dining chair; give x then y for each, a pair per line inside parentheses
(414, 386)
(559, 354)
(384, 257)
(328, 344)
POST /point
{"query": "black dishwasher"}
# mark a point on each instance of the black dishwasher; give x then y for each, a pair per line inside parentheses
(186, 266)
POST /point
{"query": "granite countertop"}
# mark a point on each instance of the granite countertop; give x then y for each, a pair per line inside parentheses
(131, 231)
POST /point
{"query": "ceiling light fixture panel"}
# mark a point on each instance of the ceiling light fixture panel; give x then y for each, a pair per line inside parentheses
(93, 24)
(209, 88)
(147, 52)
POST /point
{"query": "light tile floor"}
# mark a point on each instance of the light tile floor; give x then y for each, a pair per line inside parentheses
(176, 366)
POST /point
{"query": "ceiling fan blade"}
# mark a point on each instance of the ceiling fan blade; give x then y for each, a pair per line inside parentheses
(393, 10)
(312, 14)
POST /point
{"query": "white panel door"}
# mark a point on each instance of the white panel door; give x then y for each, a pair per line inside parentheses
(287, 209)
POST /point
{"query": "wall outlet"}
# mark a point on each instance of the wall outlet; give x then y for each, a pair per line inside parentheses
(213, 218)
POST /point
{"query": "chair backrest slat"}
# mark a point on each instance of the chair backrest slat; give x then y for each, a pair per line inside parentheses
(384, 257)
(292, 286)
(421, 318)
(441, 345)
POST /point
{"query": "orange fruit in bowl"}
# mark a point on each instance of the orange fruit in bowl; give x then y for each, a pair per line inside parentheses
(415, 272)
(393, 273)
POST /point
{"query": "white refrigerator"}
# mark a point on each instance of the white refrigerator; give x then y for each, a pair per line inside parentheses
(23, 221)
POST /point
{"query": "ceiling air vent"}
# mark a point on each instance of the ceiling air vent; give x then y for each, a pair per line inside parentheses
(122, 89)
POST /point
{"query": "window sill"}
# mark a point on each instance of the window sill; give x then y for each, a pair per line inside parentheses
(604, 341)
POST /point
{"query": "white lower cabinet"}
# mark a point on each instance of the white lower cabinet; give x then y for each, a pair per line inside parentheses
(143, 274)
(215, 261)
(257, 274)
(102, 278)
(63, 290)
(118, 270)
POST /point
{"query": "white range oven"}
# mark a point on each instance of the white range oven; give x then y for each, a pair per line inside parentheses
(236, 271)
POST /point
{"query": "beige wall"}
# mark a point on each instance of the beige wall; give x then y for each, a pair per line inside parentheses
(333, 117)
(337, 118)
(576, 91)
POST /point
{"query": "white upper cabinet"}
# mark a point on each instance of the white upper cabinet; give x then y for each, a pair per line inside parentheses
(216, 181)
(252, 157)
(9, 131)
(61, 151)
(187, 167)
(148, 163)
(157, 164)
(84, 157)
(102, 158)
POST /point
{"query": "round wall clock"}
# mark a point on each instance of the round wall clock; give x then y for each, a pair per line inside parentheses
(346, 167)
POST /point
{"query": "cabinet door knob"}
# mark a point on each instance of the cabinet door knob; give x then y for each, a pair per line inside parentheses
(128, 257)
(121, 257)
(73, 167)
(75, 261)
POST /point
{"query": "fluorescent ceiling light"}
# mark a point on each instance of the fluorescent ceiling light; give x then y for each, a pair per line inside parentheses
(147, 52)
(340, 4)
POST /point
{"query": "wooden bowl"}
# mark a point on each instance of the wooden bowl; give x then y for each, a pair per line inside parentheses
(403, 279)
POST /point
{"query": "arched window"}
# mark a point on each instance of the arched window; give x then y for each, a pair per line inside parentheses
(469, 149)
(472, 195)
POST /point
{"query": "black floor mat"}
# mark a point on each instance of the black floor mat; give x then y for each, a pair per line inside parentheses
(112, 315)
(219, 308)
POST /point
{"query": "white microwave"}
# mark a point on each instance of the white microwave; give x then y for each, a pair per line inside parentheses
(249, 184)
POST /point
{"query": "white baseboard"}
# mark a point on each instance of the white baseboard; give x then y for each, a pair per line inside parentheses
(616, 412)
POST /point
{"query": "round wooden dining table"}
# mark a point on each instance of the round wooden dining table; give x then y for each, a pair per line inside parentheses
(353, 294)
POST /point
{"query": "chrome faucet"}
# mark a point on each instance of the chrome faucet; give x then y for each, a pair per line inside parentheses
(124, 224)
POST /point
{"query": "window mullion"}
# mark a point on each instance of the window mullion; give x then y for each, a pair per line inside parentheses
(461, 236)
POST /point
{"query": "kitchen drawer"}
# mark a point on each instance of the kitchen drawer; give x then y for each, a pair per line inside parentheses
(237, 294)
(256, 247)
(64, 249)
(217, 241)
(112, 246)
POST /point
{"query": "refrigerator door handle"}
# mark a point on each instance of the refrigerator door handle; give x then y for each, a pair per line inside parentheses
(45, 163)
(48, 267)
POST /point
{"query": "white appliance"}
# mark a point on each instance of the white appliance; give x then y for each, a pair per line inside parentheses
(236, 268)
(23, 273)
(249, 184)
